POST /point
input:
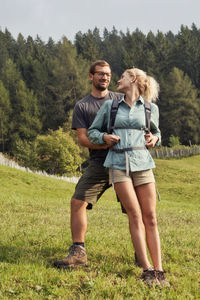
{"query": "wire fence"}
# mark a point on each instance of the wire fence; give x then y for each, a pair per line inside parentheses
(11, 163)
(176, 152)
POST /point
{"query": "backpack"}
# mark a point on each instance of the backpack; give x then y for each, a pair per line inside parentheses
(113, 113)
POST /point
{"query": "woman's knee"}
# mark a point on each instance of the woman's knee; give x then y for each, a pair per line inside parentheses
(150, 220)
(135, 218)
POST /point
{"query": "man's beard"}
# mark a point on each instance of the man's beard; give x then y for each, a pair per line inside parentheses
(100, 87)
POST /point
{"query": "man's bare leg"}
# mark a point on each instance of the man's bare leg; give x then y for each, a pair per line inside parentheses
(77, 255)
(78, 220)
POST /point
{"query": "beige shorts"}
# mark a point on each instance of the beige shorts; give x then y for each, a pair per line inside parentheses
(138, 178)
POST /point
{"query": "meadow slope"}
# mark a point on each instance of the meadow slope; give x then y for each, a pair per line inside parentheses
(34, 231)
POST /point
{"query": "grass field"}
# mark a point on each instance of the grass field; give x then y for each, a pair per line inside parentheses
(35, 231)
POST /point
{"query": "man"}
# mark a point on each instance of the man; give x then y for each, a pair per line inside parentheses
(95, 179)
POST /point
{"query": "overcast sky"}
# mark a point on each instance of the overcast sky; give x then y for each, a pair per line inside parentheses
(55, 18)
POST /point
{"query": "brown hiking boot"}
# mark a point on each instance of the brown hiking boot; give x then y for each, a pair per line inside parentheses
(76, 257)
(162, 278)
(150, 278)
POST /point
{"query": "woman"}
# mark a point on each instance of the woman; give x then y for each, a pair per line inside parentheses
(131, 164)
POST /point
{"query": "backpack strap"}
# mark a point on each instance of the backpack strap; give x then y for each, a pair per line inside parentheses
(113, 113)
(114, 109)
(147, 107)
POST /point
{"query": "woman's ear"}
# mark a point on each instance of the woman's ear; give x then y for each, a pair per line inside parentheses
(133, 78)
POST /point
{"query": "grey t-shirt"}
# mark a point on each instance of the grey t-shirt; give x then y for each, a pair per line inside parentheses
(84, 113)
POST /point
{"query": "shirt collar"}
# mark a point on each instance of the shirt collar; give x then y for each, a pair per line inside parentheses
(122, 99)
(140, 99)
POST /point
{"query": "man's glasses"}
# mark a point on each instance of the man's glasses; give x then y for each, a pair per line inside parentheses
(102, 74)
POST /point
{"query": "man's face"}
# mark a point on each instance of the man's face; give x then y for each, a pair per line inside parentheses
(101, 78)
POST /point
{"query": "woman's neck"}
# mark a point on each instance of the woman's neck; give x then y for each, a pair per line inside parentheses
(131, 97)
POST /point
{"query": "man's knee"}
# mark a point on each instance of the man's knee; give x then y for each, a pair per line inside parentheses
(78, 205)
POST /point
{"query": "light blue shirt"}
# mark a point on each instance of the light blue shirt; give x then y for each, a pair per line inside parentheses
(129, 125)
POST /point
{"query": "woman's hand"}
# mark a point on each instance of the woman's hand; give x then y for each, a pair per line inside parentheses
(151, 139)
(111, 139)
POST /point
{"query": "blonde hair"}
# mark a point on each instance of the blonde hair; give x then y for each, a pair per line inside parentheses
(148, 87)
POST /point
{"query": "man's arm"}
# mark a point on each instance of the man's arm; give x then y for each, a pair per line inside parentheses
(85, 142)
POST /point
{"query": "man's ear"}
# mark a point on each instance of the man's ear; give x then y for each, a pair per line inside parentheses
(91, 76)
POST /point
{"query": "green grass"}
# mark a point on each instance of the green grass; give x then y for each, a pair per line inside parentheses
(35, 231)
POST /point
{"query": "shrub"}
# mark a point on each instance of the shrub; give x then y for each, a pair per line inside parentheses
(174, 141)
(57, 153)
(26, 154)
(54, 153)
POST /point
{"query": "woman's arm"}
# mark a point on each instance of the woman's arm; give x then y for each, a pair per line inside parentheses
(85, 142)
(151, 140)
(96, 134)
(154, 137)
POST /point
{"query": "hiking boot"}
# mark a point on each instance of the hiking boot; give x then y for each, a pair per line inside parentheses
(77, 257)
(162, 278)
(137, 262)
(150, 278)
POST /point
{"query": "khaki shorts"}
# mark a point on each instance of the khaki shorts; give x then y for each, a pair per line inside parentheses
(138, 178)
(92, 184)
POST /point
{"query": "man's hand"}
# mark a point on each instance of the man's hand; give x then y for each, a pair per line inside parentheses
(151, 139)
(111, 139)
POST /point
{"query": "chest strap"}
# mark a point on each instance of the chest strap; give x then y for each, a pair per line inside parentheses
(127, 149)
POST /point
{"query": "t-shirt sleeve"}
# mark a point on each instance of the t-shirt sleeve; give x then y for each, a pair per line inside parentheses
(78, 119)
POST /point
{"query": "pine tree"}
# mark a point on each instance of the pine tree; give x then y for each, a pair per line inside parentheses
(10, 77)
(5, 114)
(68, 84)
(179, 108)
(26, 122)
(89, 44)
(187, 53)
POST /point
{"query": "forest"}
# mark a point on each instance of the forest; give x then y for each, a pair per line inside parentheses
(40, 82)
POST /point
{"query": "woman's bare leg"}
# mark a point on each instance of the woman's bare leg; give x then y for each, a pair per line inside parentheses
(128, 198)
(146, 195)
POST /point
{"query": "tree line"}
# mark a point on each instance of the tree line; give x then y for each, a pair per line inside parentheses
(40, 82)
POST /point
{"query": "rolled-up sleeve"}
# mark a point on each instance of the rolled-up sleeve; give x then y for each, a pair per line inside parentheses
(100, 123)
(155, 123)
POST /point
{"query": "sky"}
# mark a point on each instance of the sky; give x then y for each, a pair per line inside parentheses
(58, 18)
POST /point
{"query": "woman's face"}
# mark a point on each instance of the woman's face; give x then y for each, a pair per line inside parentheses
(124, 83)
